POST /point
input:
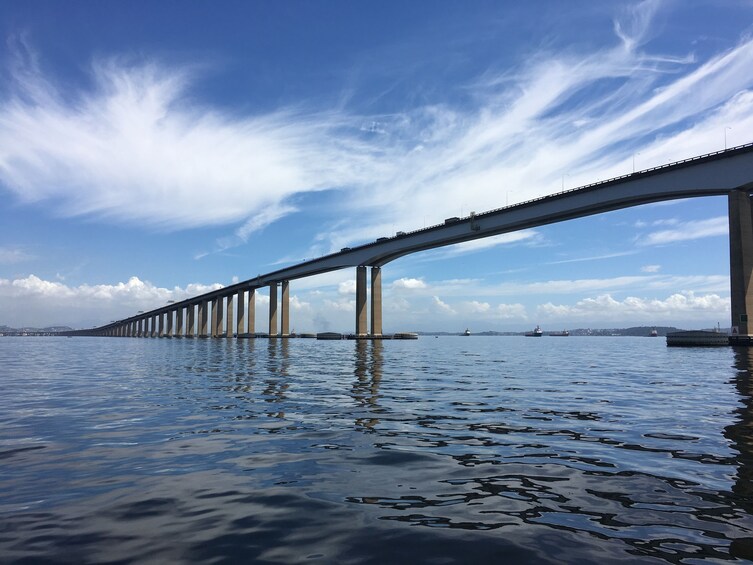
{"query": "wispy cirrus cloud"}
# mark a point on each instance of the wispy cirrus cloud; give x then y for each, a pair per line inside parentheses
(527, 236)
(10, 255)
(650, 283)
(136, 147)
(686, 231)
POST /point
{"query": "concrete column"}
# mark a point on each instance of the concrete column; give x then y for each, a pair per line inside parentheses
(154, 326)
(360, 300)
(251, 312)
(161, 325)
(285, 322)
(241, 307)
(191, 320)
(273, 309)
(203, 307)
(178, 330)
(376, 301)
(213, 319)
(229, 316)
(219, 316)
(169, 327)
(740, 262)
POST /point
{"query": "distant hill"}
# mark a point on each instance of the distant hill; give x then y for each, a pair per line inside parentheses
(7, 330)
(636, 331)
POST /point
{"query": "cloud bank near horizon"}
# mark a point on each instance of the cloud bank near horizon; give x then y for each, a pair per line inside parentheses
(35, 302)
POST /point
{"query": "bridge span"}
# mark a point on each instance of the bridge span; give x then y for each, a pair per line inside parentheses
(728, 172)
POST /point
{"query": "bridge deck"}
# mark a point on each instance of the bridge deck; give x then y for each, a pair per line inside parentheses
(707, 175)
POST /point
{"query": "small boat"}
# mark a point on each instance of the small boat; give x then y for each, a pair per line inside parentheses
(535, 333)
(653, 333)
(467, 332)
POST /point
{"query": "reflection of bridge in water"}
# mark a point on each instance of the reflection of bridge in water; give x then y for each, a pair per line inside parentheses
(728, 172)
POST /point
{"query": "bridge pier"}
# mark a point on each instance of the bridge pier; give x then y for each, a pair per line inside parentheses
(285, 322)
(376, 301)
(203, 321)
(228, 315)
(178, 330)
(220, 316)
(740, 266)
(213, 318)
(169, 326)
(361, 313)
(191, 320)
(251, 312)
(273, 309)
(241, 311)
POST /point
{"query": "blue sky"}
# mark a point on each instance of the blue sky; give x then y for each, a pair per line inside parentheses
(150, 151)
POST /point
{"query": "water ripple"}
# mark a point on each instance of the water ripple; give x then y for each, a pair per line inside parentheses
(443, 450)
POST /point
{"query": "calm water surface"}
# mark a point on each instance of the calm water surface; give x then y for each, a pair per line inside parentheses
(447, 450)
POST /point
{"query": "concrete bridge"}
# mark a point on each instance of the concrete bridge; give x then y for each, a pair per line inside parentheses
(728, 172)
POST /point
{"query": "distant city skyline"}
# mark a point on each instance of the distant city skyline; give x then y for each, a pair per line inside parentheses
(154, 151)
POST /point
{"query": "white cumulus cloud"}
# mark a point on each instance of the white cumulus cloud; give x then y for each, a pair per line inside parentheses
(409, 284)
(679, 306)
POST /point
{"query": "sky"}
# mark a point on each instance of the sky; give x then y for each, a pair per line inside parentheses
(152, 151)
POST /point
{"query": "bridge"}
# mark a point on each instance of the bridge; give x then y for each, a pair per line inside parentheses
(728, 172)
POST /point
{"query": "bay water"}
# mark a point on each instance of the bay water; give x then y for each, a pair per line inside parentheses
(442, 450)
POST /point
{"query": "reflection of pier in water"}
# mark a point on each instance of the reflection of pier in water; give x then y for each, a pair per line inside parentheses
(278, 369)
(741, 435)
(368, 362)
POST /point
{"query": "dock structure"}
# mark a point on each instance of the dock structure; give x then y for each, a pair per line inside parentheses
(724, 173)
